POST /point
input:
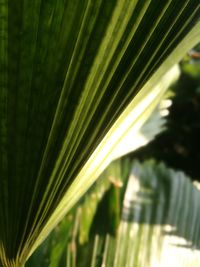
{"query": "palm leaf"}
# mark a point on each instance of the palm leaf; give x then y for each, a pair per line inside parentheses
(159, 219)
(68, 70)
(151, 220)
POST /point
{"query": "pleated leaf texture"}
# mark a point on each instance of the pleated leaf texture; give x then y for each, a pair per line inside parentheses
(158, 226)
(68, 72)
(136, 214)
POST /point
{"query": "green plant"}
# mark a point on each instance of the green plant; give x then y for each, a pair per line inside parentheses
(71, 72)
(137, 214)
(177, 146)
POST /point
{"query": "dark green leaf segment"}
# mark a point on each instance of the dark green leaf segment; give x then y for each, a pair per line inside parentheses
(68, 68)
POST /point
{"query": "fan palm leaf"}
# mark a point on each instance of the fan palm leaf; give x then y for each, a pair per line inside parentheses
(69, 72)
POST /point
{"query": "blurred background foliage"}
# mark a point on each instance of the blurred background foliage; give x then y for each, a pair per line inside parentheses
(140, 212)
(178, 145)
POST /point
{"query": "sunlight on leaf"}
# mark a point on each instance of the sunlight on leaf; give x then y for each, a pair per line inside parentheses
(71, 71)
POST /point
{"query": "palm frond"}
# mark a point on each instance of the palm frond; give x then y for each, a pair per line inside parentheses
(158, 222)
(150, 221)
(71, 71)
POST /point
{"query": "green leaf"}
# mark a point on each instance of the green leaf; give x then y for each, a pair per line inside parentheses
(158, 220)
(71, 72)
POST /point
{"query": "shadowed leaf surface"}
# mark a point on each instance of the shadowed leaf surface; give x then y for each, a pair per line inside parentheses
(69, 73)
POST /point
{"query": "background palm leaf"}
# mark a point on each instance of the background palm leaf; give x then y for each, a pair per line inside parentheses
(68, 70)
(150, 221)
